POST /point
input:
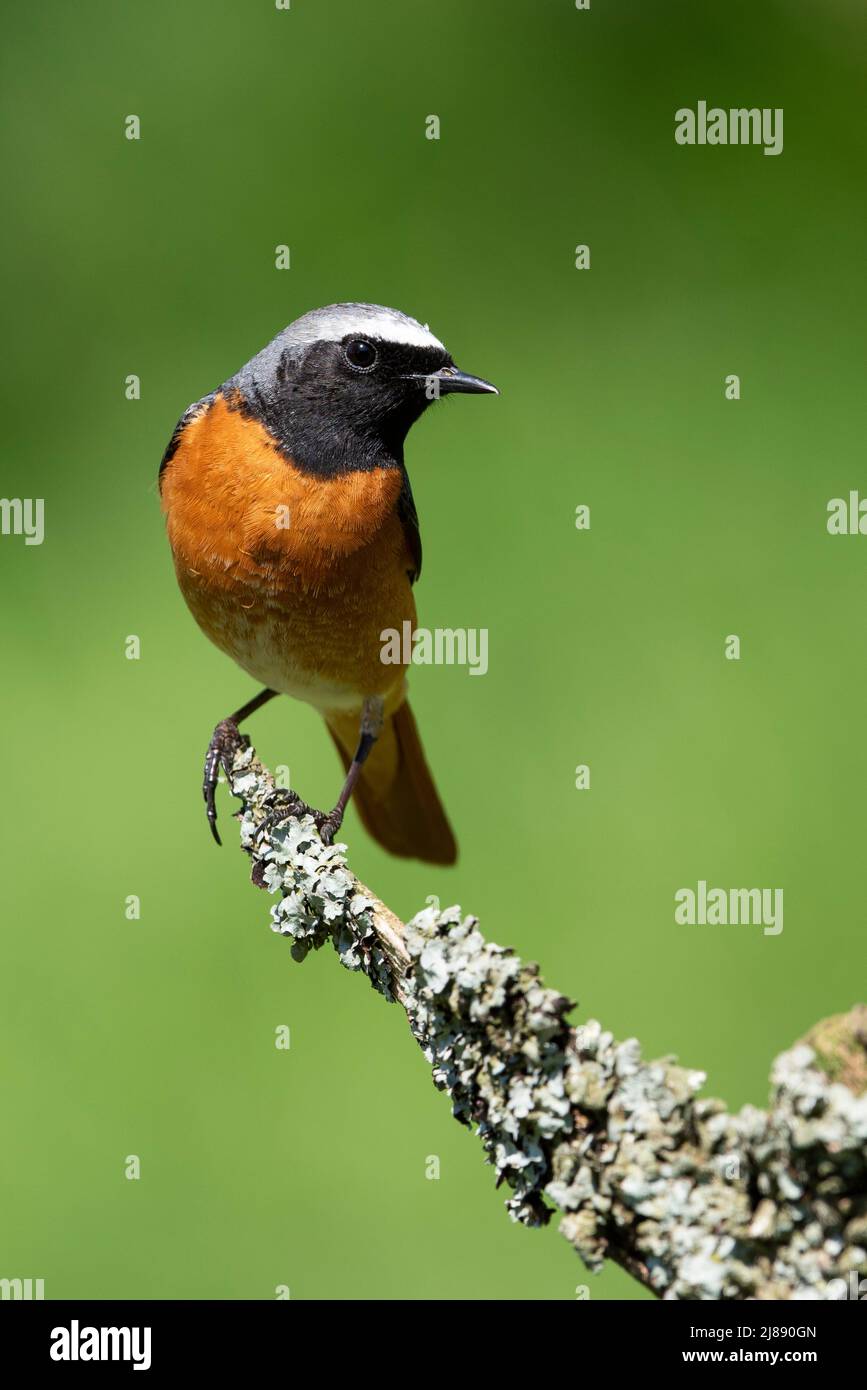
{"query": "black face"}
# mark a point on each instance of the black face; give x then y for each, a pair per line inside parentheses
(345, 405)
(340, 403)
(375, 385)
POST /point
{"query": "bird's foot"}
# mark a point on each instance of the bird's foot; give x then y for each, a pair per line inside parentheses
(329, 826)
(283, 804)
(226, 741)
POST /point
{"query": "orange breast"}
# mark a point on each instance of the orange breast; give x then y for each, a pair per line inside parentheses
(295, 577)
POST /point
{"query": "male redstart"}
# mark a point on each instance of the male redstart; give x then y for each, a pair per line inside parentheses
(296, 544)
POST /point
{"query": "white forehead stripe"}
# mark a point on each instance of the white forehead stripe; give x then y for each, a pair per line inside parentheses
(367, 320)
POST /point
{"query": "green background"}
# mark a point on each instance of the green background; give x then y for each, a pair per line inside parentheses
(306, 127)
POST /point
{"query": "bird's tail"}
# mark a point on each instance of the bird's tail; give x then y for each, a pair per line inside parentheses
(395, 794)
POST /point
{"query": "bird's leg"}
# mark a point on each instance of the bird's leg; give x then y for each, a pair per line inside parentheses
(371, 727)
(226, 740)
(328, 823)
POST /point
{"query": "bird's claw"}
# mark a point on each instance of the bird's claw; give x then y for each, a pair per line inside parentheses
(289, 805)
(226, 741)
(328, 827)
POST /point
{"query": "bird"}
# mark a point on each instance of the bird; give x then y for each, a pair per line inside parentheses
(296, 545)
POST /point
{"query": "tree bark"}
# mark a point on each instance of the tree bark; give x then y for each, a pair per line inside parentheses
(694, 1202)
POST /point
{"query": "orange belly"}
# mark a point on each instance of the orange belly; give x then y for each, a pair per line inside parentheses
(294, 577)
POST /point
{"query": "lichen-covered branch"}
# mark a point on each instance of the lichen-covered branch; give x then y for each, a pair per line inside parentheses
(695, 1202)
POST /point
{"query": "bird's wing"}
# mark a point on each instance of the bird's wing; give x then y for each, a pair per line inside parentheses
(409, 520)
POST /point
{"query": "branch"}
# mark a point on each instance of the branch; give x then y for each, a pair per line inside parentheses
(696, 1203)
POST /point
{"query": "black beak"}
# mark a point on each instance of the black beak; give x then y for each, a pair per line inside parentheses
(450, 379)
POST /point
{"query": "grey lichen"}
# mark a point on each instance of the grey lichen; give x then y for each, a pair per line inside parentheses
(711, 1205)
(697, 1203)
(321, 901)
(496, 1039)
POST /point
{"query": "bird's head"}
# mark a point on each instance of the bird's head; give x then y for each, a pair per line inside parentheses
(341, 386)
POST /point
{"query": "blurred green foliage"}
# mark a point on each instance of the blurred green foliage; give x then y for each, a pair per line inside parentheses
(259, 127)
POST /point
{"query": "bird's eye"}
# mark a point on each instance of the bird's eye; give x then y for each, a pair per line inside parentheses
(360, 353)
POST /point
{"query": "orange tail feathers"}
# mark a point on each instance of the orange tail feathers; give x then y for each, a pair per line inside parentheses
(395, 794)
